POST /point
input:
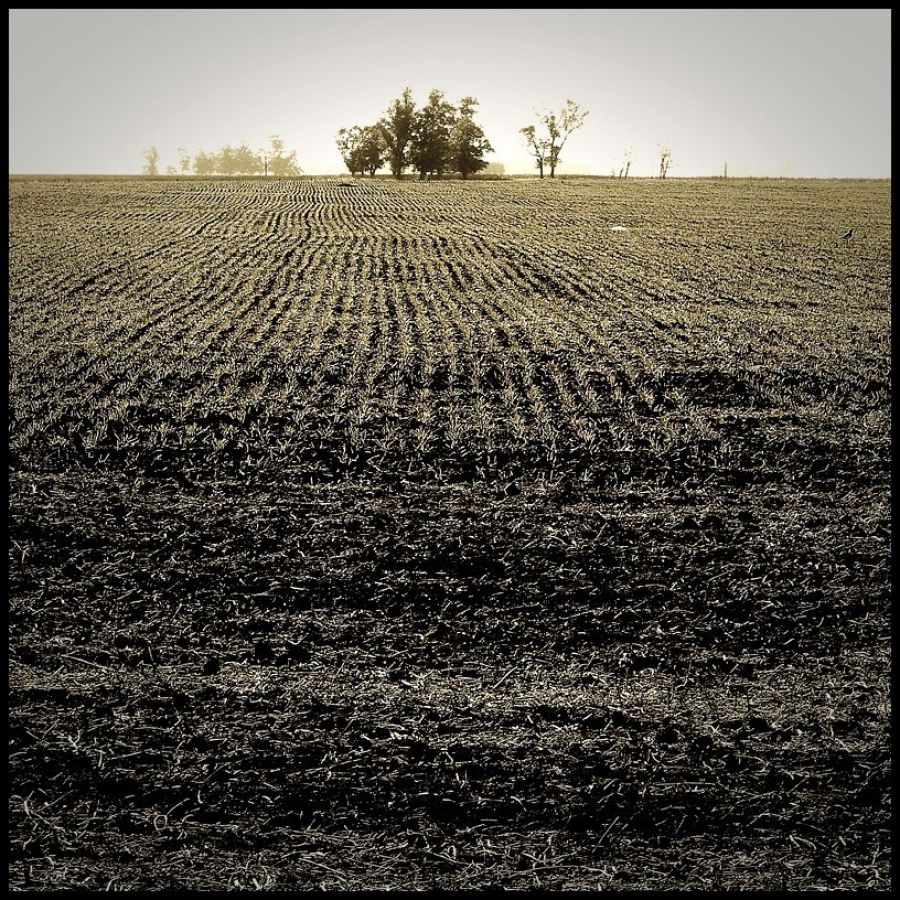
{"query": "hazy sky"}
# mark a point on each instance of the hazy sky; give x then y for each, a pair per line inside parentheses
(772, 92)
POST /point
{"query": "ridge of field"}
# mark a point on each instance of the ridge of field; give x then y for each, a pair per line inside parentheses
(515, 533)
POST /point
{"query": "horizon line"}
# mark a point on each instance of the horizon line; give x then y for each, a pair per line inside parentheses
(475, 177)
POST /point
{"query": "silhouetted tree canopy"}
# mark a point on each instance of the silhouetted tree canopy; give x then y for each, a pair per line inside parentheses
(468, 144)
(429, 149)
(362, 148)
(396, 128)
(434, 139)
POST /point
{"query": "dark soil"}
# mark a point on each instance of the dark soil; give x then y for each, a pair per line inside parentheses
(267, 655)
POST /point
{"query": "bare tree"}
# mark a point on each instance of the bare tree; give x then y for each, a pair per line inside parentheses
(536, 146)
(556, 127)
(570, 119)
(151, 161)
(665, 160)
(184, 160)
(627, 160)
(546, 148)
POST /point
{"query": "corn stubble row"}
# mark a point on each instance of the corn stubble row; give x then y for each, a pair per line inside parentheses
(326, 330)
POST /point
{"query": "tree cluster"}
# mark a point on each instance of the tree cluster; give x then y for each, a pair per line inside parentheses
(362, 149)
(274, 159)
(434, 139)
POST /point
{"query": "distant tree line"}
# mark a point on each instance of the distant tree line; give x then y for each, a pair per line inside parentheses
(434, 139)
(273, 160)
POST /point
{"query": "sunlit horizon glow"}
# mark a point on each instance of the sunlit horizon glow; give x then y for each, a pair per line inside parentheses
(772, 93)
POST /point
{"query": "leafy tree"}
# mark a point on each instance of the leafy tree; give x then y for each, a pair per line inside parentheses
(429, 149)
(468, 143)
(151, 161)
(204, 163)
(349, 143)
(372, 149)
(556, 128)
(246, 162)
(281, 164)
(285, 165)
(184, 160)
(396, 127)
(225, 161)
(362, 149)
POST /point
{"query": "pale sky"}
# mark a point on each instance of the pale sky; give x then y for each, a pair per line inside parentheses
(799, 93)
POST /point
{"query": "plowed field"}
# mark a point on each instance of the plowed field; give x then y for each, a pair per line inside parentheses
(398, 535)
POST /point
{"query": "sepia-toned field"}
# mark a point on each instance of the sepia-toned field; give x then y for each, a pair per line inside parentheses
(376, 534)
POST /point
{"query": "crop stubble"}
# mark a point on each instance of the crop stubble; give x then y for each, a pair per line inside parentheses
(409, 535)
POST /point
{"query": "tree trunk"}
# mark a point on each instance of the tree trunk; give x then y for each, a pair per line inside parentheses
(541, 167)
